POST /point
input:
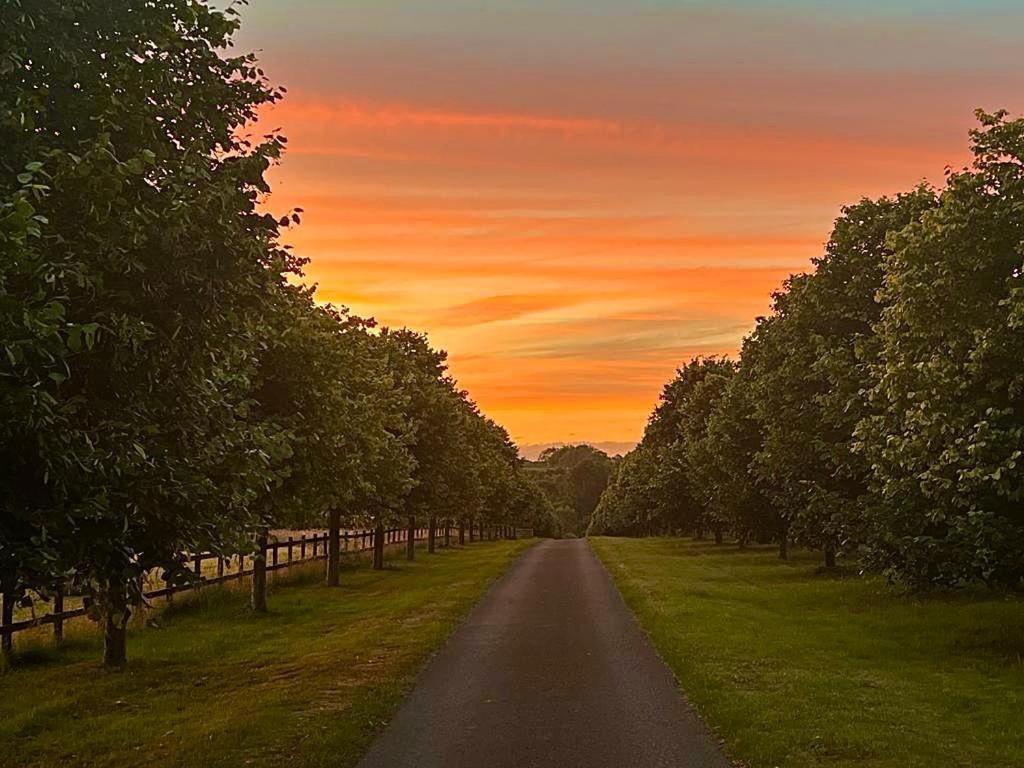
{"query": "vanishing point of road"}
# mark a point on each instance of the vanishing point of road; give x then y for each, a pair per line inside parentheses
(550, 670)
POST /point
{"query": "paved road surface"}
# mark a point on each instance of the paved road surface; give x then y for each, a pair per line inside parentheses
(549, 671)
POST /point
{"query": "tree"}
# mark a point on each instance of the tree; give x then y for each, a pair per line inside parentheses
(496, 459)
(809, 363)
(573, 477)
(435, 413)
(673, 434)
(734, 437)
(945, 436)
(531, 508)
(324, 391)
(702, 383)
(129, 196)
(634, 502)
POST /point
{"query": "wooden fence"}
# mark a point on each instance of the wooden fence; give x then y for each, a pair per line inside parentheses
(214, 569)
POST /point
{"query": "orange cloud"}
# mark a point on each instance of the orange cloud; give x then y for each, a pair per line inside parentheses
(495, 308)
(345, 112)
(573, 224)
(568, 263)
(349, 127)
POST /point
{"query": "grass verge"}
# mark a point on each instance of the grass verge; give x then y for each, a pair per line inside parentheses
(309, 684)
(796, 668)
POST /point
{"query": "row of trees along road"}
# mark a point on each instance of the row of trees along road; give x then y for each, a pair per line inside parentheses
(166, 385)
(878, 411)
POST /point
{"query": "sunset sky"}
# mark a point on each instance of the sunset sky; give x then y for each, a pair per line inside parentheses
(574, 196)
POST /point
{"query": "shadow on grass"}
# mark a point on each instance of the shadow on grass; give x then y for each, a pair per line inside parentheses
(45, 652)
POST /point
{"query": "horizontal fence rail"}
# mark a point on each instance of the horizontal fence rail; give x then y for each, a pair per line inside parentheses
(209, 569)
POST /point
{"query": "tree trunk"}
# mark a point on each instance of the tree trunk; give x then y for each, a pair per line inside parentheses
(718, 534)
(830, 555)
(447, 534)
(472, 531)
(410, 542)
(258, 596)
(115, 628)
(333, 548)
(482, 531)
(699, 533)
(58, 608)
(432, 535)
(784, 543)
(7, 617)
(462, 531)
(378, 547)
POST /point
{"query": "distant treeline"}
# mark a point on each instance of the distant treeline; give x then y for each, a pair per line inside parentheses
(572, 479)
(166, 386)
(878, 411)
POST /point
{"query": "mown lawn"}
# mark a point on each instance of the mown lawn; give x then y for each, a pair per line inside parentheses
(794, 668)
(307, 685)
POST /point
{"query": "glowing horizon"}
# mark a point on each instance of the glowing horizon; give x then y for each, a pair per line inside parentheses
(574, 197)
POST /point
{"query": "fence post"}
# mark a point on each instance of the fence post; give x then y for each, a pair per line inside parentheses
(259, 573)
(432, 534)
(6, 619)
(410, 539)
(378, 547)
(220, 566)
(302, 547)
(58, 609)
(333, 548)
(290, 545)
(274, 557)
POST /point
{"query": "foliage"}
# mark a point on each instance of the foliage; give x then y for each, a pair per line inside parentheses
(325, 390)
(878, 409)
(734, 436)
(573, 477)
(628, 505)
(166, 387)
(947, 434)
(137, 257)
(808, 364)
(656, 487)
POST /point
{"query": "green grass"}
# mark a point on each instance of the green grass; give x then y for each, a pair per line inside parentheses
(309, 684)
(795, 668)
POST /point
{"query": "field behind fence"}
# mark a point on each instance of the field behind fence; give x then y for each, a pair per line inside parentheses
(282, 551)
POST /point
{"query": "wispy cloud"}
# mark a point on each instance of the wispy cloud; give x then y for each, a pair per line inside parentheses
(491, 309)
(574, 196)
